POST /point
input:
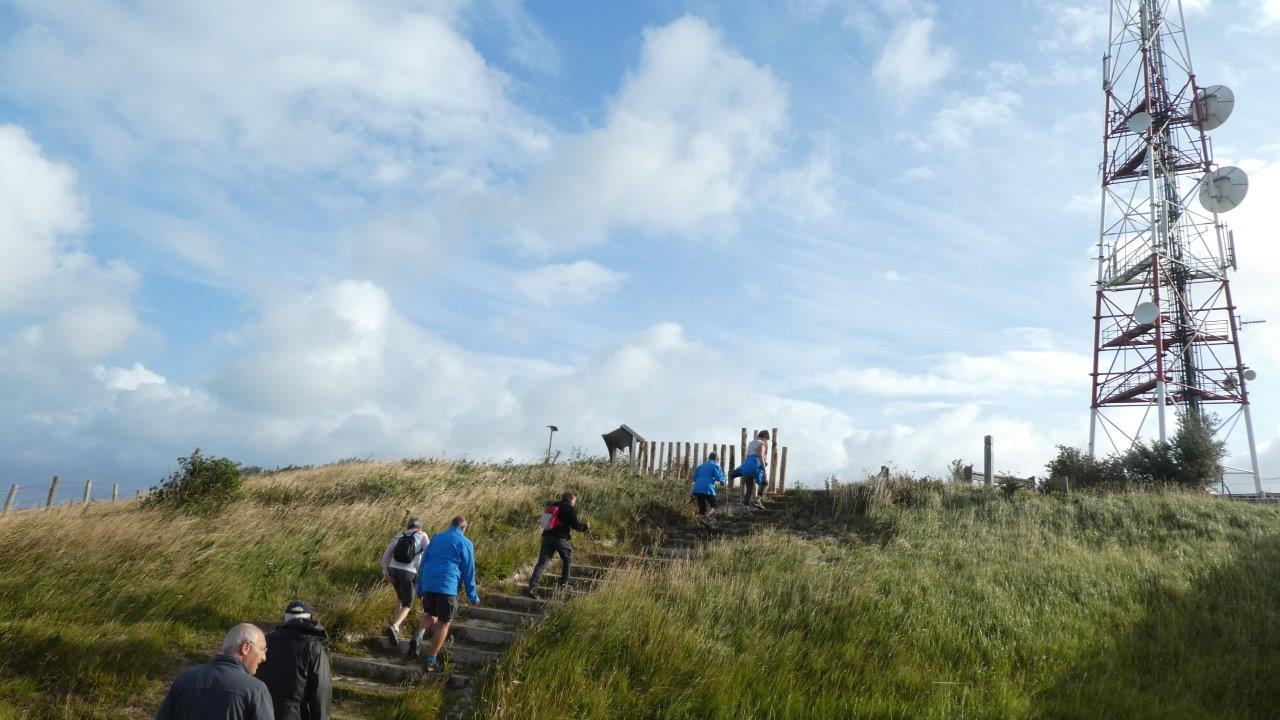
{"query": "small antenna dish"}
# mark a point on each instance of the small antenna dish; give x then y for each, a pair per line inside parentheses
(1146, 313)
(1249, 375)
(1223, 189)
(1139, 122)
(1212, 107)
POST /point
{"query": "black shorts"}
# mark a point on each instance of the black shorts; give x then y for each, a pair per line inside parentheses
(405, 583)
(705, 500)
(440, 606)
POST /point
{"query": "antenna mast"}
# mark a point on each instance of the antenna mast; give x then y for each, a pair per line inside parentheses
(1166, 332)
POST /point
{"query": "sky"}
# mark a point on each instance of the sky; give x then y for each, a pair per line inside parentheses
(294, 232)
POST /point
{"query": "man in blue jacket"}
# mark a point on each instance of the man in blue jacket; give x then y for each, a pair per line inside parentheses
(705, 479)
(225, 689)
(449, 557)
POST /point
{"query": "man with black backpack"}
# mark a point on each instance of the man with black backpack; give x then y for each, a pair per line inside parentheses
(558, 522)
(400, 563)
(296, 670)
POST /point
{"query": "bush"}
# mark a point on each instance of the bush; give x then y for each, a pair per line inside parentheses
(1193, 460)
(200, 484)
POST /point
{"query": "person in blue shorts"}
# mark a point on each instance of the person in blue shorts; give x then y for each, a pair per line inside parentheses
(755, 479)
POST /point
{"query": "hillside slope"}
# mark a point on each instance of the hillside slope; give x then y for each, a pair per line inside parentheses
(896, 601)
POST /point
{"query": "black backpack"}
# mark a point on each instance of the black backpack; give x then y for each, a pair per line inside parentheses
(406, 548)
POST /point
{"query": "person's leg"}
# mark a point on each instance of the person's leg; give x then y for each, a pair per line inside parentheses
(445, 607)
(403, 583)
(712, 503)
(565, 551)
(438, 636)
(544, 556)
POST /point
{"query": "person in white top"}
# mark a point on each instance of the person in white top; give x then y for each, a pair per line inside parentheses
(400, 562)
(754, 470)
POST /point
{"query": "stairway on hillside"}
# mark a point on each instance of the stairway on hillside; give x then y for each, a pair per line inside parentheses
(481, 635)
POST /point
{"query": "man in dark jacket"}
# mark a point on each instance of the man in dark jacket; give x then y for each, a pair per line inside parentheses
(225, 689)
(556, 540)
(298, 672)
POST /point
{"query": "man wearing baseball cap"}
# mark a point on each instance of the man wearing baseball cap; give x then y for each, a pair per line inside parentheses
(297, 670)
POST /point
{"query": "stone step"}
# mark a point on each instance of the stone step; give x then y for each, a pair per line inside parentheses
(471, 631)
(617, 560)
(679, 553)
(510, 619)
(382, 670)
(515, 602)
(352, 687)
(575, 580)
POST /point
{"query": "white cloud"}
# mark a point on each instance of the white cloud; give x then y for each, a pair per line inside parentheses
(130, 378)
(1013, 373)
(1074, 25)
(920, 172)
(346, 86)
(957, 123)
(911, 62)
(678, 152)
(579, 280)
(892, 276)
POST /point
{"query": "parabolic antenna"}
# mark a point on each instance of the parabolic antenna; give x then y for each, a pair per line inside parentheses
(1223, 189)
(1213, 106)
(1139, 122)
(1146, 313)
(1249, 375)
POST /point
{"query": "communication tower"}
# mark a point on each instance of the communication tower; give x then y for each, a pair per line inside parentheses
(1166, 332)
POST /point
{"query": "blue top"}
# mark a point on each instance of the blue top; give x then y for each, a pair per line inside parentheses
(221, 690)
(706, 477)
(448, 558)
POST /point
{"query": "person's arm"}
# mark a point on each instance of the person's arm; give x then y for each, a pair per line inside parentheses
(573, 521)
(720, 478)
(166, 711)
(318, 696)
(469, 573)
(262, 708)
(386, 558)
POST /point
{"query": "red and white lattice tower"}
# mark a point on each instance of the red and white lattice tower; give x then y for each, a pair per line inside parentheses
(1166, 334)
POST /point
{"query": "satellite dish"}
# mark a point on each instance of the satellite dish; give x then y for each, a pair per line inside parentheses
(1139, 122)
(1213, 105)
(1146, 313)
(1249, 375)
(1223, 189)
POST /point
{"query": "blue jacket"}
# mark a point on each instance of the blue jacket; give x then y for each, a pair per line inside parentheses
(706, 477)
(221, 690)
(450, 556)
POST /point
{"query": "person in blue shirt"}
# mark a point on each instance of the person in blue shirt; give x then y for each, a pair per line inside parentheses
(449, 558)
(705, 479)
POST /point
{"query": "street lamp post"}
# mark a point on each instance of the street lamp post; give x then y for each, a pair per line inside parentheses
(550, 436)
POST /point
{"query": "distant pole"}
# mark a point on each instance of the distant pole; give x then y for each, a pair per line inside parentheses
(115, 492)
(631, 455)
(8, 502)
(550, 436)
(88, 487)
(53, 493)
(733, 463)
(743, 449)
(773, 460)
(987, 469)
(782, 472)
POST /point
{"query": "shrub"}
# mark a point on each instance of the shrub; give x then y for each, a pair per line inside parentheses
(1074, 469)
(1193, 460)
(200, 484)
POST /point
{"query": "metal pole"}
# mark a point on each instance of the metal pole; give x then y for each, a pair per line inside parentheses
(53, 493)
(88, 486)
(8, 502)
(115, 491)
(987, 469)
(1253, 450)
(550, 435)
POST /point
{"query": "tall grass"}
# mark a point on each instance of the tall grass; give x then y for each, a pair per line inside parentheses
(924, 602)
(100, 606)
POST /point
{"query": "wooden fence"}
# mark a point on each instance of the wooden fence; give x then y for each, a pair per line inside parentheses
(677, 460)
(49, 491)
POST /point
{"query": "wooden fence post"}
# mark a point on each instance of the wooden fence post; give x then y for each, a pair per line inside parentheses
(653, 457)
(773, 460)
(782, 473)
(687, 467)
(743, 449)
(631, 455)
(987, 469)
(8, 502)
(662, 459)
(115, 492)
(733, 463)
(88, 487)
(53, 493)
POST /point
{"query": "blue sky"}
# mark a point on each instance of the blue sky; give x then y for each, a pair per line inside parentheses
(316, 230)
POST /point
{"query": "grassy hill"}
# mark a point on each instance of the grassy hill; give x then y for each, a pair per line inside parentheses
(902, 600)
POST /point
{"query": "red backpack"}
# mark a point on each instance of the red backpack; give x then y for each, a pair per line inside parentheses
(550, 519)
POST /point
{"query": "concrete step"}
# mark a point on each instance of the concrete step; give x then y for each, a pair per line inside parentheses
(576, 581)
(377, 669)
(516, 603)
(677, 553)
(471, 631)
(510, 619)
(350, 687)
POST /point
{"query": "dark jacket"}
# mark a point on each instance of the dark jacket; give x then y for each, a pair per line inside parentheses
(296, 671)
(568, 521)
(221, 690)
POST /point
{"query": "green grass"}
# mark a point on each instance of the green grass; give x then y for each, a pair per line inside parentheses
(924, 603)
(101, 607)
